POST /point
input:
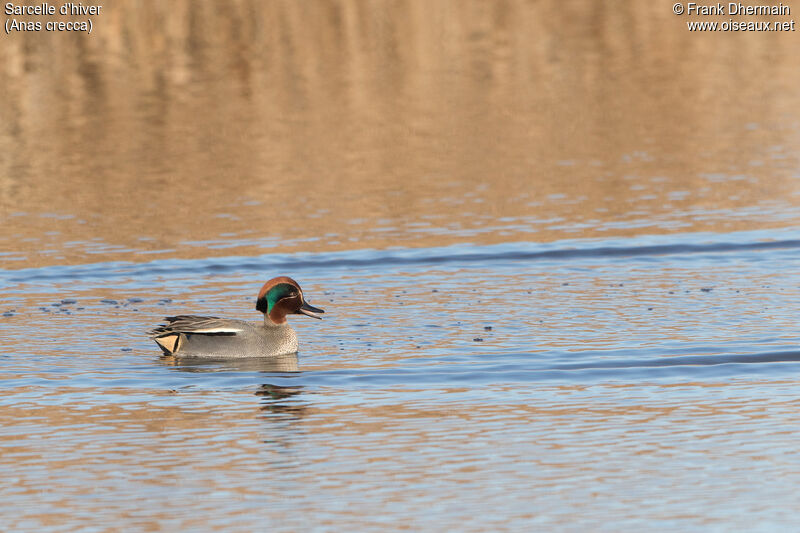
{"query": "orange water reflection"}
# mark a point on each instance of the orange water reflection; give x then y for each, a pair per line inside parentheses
(263, 126)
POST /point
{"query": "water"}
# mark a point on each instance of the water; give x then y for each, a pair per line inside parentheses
(527, 384)
(557, 250)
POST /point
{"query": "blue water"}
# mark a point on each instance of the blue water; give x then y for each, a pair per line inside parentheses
(691, 306)
(645, 381)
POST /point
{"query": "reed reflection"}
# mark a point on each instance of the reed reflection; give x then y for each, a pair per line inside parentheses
(523, 121)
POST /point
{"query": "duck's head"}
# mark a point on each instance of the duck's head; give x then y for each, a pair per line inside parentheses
(282, 296)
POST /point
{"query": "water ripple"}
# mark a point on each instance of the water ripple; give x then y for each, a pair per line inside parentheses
(704, 245)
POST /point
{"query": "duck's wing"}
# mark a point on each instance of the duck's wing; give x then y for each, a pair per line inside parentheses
(171, 336)
(199, 325)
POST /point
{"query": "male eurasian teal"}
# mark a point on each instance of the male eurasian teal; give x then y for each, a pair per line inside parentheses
(209, 336)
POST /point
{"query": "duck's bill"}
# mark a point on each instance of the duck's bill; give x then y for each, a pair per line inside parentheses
(309, 310)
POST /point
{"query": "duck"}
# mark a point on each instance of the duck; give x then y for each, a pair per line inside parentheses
(222, 338)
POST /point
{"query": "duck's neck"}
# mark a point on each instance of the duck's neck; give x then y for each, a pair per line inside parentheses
(270, 324)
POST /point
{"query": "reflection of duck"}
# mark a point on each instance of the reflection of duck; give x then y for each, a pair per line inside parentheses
(273, 396)
(222, 338)
(278, 363)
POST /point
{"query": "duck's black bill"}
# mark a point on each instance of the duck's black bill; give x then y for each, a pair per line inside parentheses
(309, 310)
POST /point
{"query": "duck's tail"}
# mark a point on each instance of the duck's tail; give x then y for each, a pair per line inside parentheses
(170, 342)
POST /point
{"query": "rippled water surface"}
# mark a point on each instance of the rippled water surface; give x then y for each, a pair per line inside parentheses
(557, 247)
